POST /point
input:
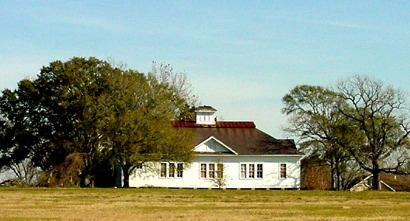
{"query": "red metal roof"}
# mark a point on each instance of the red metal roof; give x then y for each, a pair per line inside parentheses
(218, 124)
(233, 124)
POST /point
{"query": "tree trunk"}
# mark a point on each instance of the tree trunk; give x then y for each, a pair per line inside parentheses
(332, 173)
(376, 176)
(85, 177)
(376, 179)
(84, 181)
(126, 177)
(338, 176)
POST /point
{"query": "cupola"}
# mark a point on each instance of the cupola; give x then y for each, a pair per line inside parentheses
(205, 115)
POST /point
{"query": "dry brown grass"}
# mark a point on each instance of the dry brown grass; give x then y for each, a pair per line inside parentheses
(174, 204)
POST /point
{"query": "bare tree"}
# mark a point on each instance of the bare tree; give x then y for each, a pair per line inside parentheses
(220, 179)
(362, 122)
(25, 173)
(379, 113)
(316, 120)
(184, 101)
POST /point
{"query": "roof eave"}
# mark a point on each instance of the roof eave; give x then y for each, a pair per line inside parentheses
(251, 155)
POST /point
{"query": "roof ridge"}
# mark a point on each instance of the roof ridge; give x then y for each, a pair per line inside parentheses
(218, 124)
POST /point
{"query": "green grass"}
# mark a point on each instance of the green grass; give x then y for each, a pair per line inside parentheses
(186, 204)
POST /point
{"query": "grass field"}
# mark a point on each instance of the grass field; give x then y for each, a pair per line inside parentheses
(183, 204)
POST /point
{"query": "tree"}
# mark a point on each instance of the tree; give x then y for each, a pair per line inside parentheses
(362, 122)
(67, 96)
(379, 113)
(220, 179)
(99, 112)
(18, 138)
(315, 119)
(180, 90)
(137, 116)
(54, 115)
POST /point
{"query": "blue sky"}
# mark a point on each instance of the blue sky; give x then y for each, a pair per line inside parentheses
(240, 56)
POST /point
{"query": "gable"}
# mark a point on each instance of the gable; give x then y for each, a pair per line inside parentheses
(213, 145)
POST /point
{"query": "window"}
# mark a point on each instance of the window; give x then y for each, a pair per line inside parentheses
(259, 170)
(211, 173)
(220, 172)
(203, 170)
(211, 170)
(283, 171)
(243, 171)
(251, 171)
(171, 170)
(180, 170)
(163, 170)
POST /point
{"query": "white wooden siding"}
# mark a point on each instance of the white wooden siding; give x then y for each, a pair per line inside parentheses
(149, 176)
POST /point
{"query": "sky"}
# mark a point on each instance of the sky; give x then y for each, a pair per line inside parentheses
(241, 57)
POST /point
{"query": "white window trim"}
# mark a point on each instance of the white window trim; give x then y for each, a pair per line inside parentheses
(167, 171)
(255, 171)
(240, 171)
(207, 177)
(280, 172)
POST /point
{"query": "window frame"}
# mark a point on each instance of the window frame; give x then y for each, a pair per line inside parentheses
(220, 167)
(163, 170)
(210, 171)
(171, 169)
(283, 171)
(243, 171)
(180, 170)
(176, 173)
(259, 171)
(250, 171)
(203, 170)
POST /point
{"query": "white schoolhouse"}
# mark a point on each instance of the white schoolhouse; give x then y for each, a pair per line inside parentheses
(228, 155)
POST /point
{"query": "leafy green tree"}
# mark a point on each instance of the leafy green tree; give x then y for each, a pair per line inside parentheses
(136, 122)
(54, 115)
(18, 138)
(68, 94)
(316, 120)
(98, 112)
(380, 114)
